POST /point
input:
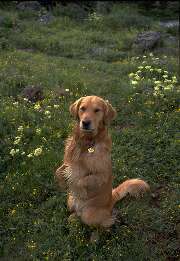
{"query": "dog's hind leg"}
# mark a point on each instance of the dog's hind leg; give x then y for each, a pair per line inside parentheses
(97, 217)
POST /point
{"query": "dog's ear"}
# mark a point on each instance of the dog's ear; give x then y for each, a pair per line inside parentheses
(75, 107)
(110, 113)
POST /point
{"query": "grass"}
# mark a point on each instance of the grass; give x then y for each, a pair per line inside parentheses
(91, 56)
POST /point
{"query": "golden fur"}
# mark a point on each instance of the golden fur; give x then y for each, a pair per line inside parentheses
(87, 171)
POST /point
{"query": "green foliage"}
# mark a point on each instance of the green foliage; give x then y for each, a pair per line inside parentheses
(85, 58)
(123, 16)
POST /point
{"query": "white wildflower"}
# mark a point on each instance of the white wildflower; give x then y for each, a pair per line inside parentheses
(137, 77)
(148, 67)
(157, 82)
(13, 151)
(131, 74)
(159, 70)
(174, 79)
(17, 140)
(30, 155)
(38, 131)
(15, 103)
(37, 152)
(47, 112)
(156, 88)
(134, 82)
(20, 128)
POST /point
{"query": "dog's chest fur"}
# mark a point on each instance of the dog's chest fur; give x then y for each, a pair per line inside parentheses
(87, 163)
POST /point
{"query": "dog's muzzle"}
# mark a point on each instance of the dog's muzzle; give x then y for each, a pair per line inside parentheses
(86, 126)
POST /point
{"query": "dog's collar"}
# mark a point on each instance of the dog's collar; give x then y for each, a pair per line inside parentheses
(89, 144)
(91, 147)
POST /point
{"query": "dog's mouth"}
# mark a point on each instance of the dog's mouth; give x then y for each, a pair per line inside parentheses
(87, 130)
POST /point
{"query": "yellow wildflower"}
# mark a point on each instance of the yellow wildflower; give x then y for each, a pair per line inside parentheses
(37, 106)
(134, 82)
(131, 74)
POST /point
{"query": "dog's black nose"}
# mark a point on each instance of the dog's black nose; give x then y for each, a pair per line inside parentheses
(86, 125)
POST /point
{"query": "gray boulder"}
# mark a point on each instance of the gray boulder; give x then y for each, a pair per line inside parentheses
(2, 19)
(170, 24)
(33, 93)
(46, 18)
(98, 51)
(29, 6)
(146, 41)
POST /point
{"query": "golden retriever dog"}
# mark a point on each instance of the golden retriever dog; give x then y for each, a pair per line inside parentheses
(87, 171)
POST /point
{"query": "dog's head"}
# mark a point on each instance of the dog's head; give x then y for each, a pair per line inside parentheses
(92, 112)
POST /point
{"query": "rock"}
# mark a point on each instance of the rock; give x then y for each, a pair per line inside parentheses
(33, 93)
(46, 18)
(29, 6)
(2, 19)
(99, 51)
(62, 92)
(170, 40)
(146, 41)
(170, 45)
(170, 24)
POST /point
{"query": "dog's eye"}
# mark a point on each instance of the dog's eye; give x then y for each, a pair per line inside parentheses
(96, 110)
(82, 108)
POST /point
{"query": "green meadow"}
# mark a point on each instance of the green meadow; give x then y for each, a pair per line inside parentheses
(68, 58)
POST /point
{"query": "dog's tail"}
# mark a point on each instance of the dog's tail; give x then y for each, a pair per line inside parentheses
(134, 187)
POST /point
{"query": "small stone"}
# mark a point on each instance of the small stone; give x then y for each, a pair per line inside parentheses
(29, 6)
(94, 237)
(46, 18)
